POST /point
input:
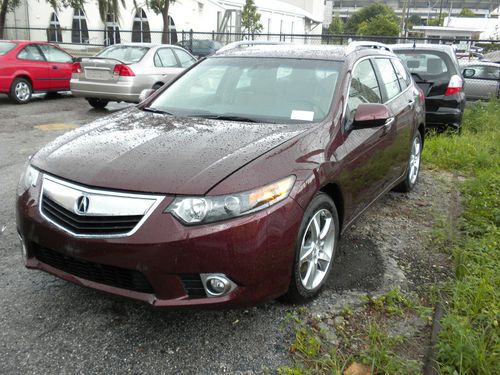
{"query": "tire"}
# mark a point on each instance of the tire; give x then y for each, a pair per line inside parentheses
(156, 86)
(21, 91)
(411, 177)
(310, 272)
(98, 103)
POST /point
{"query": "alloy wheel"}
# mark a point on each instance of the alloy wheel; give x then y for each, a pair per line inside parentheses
(316, 250)
(415, 160)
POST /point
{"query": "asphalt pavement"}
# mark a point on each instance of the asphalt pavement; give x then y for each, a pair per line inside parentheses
(50, 326)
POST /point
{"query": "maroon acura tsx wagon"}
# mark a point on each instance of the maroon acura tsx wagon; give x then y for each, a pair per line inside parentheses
(230, 186)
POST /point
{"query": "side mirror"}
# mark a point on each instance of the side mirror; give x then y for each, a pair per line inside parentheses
(370, 115)
(469, 73)
(146, 93)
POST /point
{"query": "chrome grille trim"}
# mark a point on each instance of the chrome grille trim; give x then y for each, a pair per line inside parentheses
(103, 204)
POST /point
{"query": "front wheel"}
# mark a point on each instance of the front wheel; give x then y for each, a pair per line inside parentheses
(413, 168)
(317, 242)
(98, 103)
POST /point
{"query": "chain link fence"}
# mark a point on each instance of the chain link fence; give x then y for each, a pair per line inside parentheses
(88, 42)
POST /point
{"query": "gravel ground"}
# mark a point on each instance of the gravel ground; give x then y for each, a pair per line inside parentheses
(50, 326)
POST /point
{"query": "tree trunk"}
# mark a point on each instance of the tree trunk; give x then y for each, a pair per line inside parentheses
(3, 16)
(165, 35)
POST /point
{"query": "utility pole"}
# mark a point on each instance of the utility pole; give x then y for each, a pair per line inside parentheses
(440, 10)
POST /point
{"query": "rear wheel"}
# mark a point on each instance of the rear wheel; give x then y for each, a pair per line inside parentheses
(98, 103)
(413, 166)
(317, 242)
(21, 91)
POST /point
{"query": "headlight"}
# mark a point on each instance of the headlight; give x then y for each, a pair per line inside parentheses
(202, 210)
(28, 179)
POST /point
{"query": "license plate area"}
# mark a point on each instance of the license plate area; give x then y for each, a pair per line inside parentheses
(98, 74)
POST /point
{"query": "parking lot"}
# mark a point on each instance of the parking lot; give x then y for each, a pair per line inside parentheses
(51, 326)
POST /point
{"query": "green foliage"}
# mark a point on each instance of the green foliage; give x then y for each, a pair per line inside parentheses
(466, 12)
(109, 7)
(367, 13)
(469, 341)
(414, 20)
(336, 26)
(250, 18)
(380, 353)
(380, 25)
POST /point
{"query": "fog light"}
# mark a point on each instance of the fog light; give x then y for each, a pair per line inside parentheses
(217, 284)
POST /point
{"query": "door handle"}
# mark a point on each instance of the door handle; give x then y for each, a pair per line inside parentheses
(411, 103)
(388, 125)
(55, 67)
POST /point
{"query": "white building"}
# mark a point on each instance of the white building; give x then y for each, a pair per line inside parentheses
(37, 20)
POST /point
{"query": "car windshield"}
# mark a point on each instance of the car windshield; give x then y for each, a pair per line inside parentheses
(253, 89)
(126, 54)
(427, 64)
(6, 47)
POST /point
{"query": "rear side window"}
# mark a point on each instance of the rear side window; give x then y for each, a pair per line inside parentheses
(427, 64)
(126, 54)
(403, 76)
(30, 52)
(6, 47)
(388, 77)
(165, 58)
(185, 59)
(54, 54)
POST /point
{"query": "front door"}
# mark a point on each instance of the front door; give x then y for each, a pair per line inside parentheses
(368, 160)
(31, 60)
(60, 66)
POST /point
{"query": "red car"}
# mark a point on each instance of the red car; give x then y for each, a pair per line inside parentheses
(232, 184)
(28, 67)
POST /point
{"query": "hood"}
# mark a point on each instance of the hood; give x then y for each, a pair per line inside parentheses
(146, 152)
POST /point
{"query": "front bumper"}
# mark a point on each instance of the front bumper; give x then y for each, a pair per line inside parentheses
(256, 252)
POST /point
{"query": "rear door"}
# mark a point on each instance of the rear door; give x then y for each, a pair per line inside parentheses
(31, 60)
(166, 64)
(60, 66)
(402, 104)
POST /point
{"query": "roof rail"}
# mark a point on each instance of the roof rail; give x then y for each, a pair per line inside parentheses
(247, 43)
(353, 46)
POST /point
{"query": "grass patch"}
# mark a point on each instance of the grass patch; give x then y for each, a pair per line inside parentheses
(469, 340)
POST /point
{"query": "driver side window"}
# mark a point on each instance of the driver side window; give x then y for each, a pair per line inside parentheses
(364, 89)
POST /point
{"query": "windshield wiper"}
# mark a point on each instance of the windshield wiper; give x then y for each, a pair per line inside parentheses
(230, 118)
(155, 110)
(419, 77)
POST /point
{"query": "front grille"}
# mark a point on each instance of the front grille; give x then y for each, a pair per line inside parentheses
(193, 285)
(99, 273)
(88, 225)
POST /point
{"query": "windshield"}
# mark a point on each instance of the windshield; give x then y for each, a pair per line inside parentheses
(427, 64)
(6, 47)
(126, 54)
(253, 89)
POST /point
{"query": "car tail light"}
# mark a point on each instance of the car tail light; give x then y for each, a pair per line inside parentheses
(421, 96)
(77, 68)
(123, 71)
(455, 85)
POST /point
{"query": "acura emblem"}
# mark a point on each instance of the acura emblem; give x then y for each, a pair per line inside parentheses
(82, 204)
